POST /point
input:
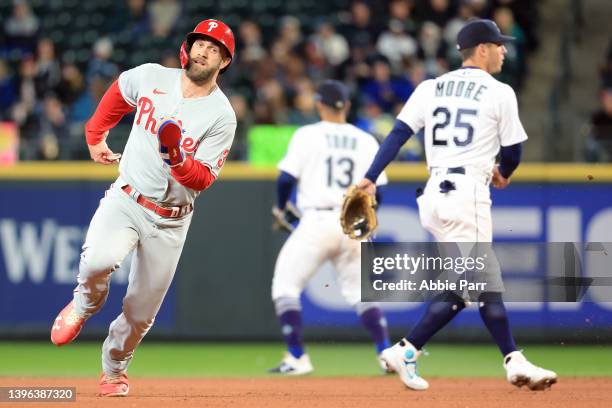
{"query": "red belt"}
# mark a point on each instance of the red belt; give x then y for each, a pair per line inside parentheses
(171, 212)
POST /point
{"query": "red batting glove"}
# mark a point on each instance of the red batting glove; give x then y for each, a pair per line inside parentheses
(170, 135)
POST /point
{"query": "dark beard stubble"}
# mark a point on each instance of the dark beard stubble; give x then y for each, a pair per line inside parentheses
(197, 74)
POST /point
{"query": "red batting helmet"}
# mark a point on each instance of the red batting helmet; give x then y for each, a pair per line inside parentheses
(215, 29)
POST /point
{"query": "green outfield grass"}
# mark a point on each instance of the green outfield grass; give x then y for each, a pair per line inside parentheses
(252, 360)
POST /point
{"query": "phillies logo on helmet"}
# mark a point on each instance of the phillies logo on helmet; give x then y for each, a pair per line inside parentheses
(215, 29)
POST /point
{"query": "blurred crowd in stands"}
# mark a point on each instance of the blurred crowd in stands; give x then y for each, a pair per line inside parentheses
(57, 57)
(599, 141)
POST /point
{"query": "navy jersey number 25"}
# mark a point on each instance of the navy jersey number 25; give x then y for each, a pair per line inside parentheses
(462, 118)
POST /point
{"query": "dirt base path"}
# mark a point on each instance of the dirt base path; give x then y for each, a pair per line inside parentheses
(351, 392)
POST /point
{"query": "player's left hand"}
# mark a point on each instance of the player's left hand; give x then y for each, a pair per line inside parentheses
(358, 213)
(170, 137)
(367, 186)
(498, 180)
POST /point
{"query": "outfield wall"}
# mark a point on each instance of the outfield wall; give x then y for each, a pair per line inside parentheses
(222, 286)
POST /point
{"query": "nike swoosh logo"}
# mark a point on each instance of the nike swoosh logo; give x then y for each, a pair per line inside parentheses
(158, 92)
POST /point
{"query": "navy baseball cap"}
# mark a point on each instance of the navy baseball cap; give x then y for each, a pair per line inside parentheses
(332, 93)
(480, 31)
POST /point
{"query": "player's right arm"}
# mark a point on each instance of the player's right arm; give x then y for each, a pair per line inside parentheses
(120, 98)
(511, 135)
(109, 112)
(291, 168)
(509, 161)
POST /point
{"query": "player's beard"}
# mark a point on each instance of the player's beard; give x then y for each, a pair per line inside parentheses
(198, 73)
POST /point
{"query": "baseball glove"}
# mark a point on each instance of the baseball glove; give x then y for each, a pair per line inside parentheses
(358, 214)
(284, 219)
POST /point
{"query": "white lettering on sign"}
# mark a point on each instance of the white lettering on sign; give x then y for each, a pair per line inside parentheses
(553, 224)
(598, 259)
(31, 251)
(26, 250)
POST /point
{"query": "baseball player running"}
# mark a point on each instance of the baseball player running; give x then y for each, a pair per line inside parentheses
(323, 159)
(180, 138)
(467, 116)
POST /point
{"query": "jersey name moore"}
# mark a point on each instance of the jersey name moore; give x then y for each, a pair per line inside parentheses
(460, 89)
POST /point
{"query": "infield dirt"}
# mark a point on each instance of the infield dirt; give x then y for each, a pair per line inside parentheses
(330, 392)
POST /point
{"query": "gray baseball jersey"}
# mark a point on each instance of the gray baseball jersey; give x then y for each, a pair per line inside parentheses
(121, 225)
(208, 124)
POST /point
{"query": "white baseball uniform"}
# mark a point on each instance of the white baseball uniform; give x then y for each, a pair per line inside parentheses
(121, 225)
(326, 158)
(467, 115)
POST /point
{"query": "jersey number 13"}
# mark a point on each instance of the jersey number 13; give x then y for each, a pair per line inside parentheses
(340, 171)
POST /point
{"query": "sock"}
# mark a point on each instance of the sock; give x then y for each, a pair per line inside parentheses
(375, 323)
(439, 312)
(493, 314)
(291, 327)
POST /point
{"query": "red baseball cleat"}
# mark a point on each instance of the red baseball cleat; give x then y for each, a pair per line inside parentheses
(114, 386)
(67, 325)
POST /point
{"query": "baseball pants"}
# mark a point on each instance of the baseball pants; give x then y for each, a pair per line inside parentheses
(317, 239)
(119, 226)
(462, 215)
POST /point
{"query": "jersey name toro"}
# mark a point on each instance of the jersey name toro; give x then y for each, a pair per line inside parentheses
(327, 158)
(467, 115)
(208, 125)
